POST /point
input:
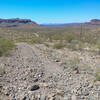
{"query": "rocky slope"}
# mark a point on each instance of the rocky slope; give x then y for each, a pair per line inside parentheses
(94, 22)
(41, 73)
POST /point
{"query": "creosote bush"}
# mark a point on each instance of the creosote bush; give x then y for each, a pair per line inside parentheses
(58, 45)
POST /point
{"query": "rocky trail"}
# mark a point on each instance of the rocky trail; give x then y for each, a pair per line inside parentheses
(34, 73)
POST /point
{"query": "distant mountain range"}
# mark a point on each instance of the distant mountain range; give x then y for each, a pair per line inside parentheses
(92, 22)
(17, 22)
(59, 25)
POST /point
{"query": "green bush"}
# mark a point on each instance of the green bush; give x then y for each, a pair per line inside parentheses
(58, 45)
(5, 46)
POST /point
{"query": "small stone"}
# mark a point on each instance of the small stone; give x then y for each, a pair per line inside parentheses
(13, 99)
(35, 87)
(67, 98)
(57, 60)
(85, 84)
(36, 80)
(1, 75)
(43, 97)
(1, 86)
(25, 98)
(90, 86)
(85, 92)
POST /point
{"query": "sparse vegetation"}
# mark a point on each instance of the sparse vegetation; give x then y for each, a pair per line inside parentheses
(5, 46)
(68, 35)
(74, 38)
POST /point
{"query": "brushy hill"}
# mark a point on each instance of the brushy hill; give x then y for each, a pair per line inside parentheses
(77, 37)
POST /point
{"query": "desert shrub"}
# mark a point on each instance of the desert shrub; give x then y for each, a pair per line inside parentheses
(47, 45)
(74, 63)
(70, 36)
(97, 76)
(5, 46)
(98, 45)
(36, 40)
(86, 68)
(76, 45)
(4, 70)
(58, 45)
(89, 39)
(57, 37)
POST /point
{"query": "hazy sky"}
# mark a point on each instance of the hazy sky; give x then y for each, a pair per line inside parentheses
(51, 11)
